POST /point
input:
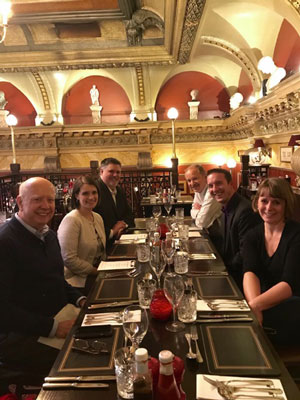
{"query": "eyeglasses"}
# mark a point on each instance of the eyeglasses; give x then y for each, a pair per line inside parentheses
(91, 346)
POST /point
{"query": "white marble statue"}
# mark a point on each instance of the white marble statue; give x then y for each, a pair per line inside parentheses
(3, 102)
(194, 94)
(94, 92)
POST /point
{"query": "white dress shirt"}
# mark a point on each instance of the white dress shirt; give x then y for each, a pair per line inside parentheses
(210, 209)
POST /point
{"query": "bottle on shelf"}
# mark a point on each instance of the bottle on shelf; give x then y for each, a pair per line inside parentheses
(166, 388)
(142, 379)
(165, 196)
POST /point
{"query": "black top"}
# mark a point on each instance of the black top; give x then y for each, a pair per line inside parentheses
(32, 285)
(238, 217)
(112, 212)
(284, 263)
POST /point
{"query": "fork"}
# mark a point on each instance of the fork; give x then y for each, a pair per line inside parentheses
(132, 273)
(227, 391)
(215, 306)
(194, 337)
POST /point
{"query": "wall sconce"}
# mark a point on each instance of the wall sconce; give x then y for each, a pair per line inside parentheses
(219, 160)
(262, 149)
(294, 141)
(231, 163)
(5, 7)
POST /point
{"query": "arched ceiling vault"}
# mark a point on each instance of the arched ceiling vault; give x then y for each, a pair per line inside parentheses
(222, 39)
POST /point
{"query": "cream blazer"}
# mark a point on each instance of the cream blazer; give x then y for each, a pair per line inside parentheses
(78, 242)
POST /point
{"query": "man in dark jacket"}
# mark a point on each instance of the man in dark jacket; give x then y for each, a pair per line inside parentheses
(32, 285)
(113, 205)
(238, 217)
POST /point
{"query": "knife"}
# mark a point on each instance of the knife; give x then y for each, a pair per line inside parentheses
(207, 273)
(244, 319)
(75, 385)
(83, 378)
(225, 316)
(112, 304)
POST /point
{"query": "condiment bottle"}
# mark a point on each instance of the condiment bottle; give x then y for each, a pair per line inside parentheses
(178, 365)
(166, 388)
(142, 380)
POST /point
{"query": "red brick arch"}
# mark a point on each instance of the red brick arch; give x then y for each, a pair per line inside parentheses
(213, 96)
(18, 104)
(113, 98)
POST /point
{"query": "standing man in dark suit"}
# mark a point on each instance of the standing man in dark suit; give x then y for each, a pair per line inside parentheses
(238, 217)
(113, 206)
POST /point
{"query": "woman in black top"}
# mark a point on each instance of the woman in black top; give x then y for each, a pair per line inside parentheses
(271, 261)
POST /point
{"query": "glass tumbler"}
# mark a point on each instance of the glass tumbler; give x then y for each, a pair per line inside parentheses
(124, 368)
(187, 309)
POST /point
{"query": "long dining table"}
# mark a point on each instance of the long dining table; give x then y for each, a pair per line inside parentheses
(229, 348)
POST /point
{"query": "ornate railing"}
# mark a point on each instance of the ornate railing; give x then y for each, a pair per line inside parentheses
(135, 182)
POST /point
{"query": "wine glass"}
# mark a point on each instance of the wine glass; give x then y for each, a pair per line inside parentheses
(169, 248)
(135, 324)
(156, 211)
(157, 263)
(168, 208)
(174, 289)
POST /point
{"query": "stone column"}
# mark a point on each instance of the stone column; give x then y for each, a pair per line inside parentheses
(3, 115)
(96, 113)
(194, 109)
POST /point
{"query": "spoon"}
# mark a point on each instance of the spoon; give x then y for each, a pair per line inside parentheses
(191, 355)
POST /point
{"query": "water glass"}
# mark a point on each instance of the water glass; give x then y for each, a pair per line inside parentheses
(183, 231)
(181, 262)
(145, 289)
(124, 368)
(179, 212)
(187, 309)
(143, 253)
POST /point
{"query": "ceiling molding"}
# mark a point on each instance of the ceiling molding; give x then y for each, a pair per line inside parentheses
(192, 18)
(238, 54)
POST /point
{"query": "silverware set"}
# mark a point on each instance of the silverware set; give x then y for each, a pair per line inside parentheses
(215, 305)
(193, 336)
(234, 389)
(94, 319)
(116, 274)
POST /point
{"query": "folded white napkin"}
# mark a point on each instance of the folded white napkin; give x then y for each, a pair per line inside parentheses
(115, 265)
(67, 313)
(104, 319)
(194, 234)
(206, 391)
(133, 236)
(227, 305)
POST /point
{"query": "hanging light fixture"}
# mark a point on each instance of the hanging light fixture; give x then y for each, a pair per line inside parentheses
(5, 7)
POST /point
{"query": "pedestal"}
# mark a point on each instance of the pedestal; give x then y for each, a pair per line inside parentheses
(193, 109)
(96, 113)
(3, 115)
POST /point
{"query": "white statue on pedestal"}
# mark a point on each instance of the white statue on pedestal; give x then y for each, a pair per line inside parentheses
(94, 92)
(194, 94)
(3, 102)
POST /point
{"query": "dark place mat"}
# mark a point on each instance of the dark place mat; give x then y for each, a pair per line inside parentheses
(124, 251)
(237, 350)
(115, 289)
(217, 286)
(199, 245)
(75, 362)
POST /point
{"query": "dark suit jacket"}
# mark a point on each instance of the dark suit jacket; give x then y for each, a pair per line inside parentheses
(111, 212)
(237, 219)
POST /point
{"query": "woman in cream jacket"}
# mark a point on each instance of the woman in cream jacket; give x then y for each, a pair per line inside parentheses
(81, 235)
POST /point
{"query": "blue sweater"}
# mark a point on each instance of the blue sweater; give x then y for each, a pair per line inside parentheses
(32, 285)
